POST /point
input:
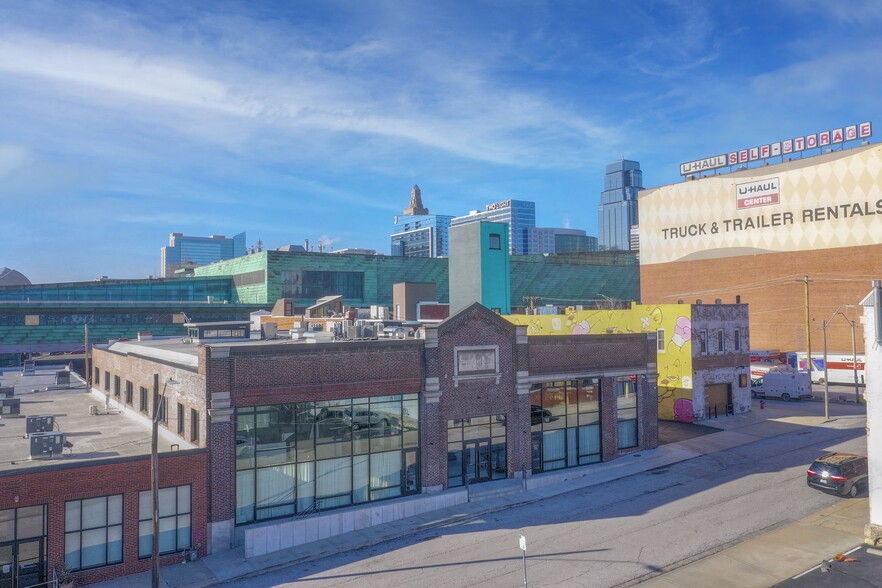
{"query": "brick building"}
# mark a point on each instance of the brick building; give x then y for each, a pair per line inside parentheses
(87, 506)
(752, 236)
(345, 427)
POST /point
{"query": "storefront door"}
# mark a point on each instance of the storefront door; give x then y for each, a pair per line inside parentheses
(29, 563)
(477, 460)
(7, 565)
(22, 563)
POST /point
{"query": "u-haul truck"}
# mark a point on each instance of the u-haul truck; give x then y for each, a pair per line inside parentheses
(840, 366)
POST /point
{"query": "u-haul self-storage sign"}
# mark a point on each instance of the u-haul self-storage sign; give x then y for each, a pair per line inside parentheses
(820, 140)
(762, 193)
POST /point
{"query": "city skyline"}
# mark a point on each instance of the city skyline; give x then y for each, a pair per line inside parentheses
(124, 123)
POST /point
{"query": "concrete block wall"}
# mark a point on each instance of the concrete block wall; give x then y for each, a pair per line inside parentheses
(270, 537)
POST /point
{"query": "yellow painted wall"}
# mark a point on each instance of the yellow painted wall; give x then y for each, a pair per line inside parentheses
(674, 363)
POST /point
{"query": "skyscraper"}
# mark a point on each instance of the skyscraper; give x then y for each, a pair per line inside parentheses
(520, 215)
(617, 212)
(418, 233)
(189, 252)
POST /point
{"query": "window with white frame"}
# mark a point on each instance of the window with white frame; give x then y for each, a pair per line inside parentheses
(703, 338)
(737, 340)
(174, 521)
(721, 341)
(93, 532)
(660, 340)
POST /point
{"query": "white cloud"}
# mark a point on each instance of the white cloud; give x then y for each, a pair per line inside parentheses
(12, 158)
(467, 114)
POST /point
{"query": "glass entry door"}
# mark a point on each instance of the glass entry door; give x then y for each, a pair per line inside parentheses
(477, 460)
(29, 563)
(7, 565)
(22, 563)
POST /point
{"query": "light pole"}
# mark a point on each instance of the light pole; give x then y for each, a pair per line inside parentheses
(826, 374)
(154, 481)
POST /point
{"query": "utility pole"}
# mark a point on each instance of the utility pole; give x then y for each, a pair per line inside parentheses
(808, 331)
(532, 300)
(88, 363)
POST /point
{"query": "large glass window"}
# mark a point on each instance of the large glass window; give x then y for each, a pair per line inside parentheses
(626, 411)
(327, 454)
(93, 532)
(314, 284)
(565, 423)
(174, 520)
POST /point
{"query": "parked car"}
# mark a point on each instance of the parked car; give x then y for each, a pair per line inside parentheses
(844, 474)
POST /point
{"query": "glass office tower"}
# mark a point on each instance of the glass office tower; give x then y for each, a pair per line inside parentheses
(617, 212)
(189, 252)
(421, 235)
(520, 215)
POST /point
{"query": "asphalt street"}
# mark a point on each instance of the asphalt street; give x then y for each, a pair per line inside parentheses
(617, 534)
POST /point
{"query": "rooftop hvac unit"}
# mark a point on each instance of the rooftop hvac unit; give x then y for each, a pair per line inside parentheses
(62, 378)
(10, 406)
(39, 423)
(269, 330)
(7, 391)
(46, 445)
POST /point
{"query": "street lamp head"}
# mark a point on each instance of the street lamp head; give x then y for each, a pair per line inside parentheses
(172, 381)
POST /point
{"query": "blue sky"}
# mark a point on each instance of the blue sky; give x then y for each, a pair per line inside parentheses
(125, 121)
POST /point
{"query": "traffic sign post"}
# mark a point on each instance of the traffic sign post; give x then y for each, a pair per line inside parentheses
(522, 543)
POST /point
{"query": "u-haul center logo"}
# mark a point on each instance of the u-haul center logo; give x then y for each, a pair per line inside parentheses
(762, 193)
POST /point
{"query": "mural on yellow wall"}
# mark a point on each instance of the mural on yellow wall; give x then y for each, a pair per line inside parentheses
(673, 322)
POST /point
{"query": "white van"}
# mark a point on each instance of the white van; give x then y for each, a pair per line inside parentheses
(785, 385)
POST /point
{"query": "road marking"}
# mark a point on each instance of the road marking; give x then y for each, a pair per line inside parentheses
(817, 567)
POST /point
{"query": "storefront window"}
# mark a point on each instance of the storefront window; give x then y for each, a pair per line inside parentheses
(327, 454)
(565, 424)
(93, 532)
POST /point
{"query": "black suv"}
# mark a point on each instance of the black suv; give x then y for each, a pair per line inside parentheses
(840, 473)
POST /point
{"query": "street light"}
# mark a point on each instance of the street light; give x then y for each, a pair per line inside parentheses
(854, 357)
(154, 480)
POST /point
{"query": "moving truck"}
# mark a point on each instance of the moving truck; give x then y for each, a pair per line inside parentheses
(841, 367)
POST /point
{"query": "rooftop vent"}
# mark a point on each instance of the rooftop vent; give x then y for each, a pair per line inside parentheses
(10, 406)
(47, 445)
(39, 423)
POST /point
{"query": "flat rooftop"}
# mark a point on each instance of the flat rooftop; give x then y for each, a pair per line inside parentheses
(110, 434)
(175, 351)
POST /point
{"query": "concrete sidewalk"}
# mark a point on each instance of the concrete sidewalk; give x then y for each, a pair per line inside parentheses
(762, 561)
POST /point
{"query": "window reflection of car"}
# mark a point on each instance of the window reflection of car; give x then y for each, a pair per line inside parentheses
(539, 415)
(245, 445)
(366, 418)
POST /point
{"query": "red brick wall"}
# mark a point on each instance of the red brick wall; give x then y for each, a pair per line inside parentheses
(768, 283)
(475, 398)
(56, 485)
(568, 353)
